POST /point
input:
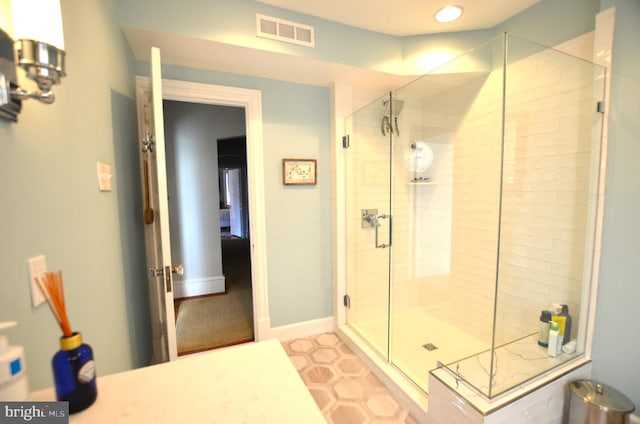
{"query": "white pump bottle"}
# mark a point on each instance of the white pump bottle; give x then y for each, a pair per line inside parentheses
(13, 371)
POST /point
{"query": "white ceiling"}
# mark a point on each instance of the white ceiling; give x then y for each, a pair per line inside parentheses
(407, 17)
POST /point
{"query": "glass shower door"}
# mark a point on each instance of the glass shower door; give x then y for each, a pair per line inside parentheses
(446, 198)
(368, 223)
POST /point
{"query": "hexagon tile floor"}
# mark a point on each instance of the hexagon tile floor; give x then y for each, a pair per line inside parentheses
(344, 388)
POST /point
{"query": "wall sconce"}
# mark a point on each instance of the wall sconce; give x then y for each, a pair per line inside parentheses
(38, 49)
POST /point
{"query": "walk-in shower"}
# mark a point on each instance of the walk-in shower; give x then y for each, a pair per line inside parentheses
(473, 211)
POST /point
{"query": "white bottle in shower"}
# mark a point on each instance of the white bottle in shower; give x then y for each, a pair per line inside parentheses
(555, 342)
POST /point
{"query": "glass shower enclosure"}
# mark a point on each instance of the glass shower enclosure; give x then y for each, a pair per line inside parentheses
(471, 200)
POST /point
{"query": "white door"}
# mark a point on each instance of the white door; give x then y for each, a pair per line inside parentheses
(235, 193)
(156, 216)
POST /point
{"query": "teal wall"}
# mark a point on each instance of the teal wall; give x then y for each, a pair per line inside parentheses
(548, 22)
(551, 22)
(234, 22)
(616, 348)
(299, 245)
(51, 204)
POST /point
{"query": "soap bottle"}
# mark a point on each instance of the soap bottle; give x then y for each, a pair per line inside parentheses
(567, 326)
(14, 386)
(543, 334)
(557, 316)
(554, 340)
(74, 373)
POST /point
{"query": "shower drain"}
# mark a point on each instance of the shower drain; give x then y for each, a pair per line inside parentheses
(430, 346)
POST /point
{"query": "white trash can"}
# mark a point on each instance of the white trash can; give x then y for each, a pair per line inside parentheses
(597, 403)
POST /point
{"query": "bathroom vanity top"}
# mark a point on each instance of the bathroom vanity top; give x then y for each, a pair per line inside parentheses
(250, 383)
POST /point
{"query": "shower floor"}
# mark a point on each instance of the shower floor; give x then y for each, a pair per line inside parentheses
(411, 330)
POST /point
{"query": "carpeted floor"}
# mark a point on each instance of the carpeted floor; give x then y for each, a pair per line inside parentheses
(209, 322)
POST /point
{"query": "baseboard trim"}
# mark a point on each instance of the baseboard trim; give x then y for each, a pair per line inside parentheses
(300, 329)
(199, 286)
(262, 328)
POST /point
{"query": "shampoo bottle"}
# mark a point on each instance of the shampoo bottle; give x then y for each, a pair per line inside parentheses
(560, 319)
(554, 340)
(567, 326)
(13, 371)
(543, 334)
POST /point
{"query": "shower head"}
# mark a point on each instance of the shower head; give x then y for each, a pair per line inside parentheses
(394, 106)
(389, 122)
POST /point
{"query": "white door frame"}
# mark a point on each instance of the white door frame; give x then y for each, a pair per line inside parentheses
(251, 101)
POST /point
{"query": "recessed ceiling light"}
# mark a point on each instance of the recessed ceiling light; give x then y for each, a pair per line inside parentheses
(448, 13)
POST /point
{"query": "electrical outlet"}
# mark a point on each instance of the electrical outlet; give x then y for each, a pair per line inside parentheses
(36, 266)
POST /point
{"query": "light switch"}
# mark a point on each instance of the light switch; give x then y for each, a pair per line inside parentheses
(104, 176)
(37, 267)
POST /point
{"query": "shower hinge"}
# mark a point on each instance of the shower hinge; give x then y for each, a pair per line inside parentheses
(600, 107)
(347, 301)
(345, 142)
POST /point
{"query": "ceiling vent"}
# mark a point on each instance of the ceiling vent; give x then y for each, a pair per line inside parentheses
(290, 32)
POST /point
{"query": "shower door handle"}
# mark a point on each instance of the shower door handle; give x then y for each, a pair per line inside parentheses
(377, 224)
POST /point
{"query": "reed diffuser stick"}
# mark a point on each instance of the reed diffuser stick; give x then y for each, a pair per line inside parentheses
(52, 289)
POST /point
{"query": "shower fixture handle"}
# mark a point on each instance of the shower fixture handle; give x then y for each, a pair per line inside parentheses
(377, 225)
(371, 219)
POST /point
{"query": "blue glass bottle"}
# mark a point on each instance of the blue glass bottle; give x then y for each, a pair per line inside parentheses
(74, 373)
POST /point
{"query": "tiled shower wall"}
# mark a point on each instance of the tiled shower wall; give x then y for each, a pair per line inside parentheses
(445, 234)
(547, 162)
(551, 156)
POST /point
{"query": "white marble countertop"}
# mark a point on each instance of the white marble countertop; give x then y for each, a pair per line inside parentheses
(250, 383)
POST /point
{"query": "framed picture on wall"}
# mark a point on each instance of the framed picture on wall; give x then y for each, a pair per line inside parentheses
(299, 171)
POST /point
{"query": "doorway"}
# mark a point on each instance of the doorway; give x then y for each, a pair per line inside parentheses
(206, 166)
(157, 240)
(232, 181)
